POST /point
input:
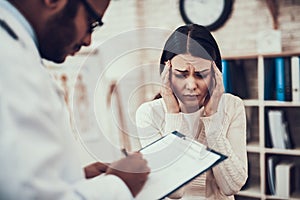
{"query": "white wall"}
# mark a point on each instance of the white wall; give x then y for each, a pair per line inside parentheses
(130, 61)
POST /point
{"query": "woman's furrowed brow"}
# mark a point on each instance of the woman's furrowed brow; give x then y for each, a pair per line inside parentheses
(201, 71)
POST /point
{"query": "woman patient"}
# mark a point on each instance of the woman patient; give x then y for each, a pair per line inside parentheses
(192, 101)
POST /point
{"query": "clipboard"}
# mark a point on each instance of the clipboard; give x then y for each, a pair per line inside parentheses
(175, 160)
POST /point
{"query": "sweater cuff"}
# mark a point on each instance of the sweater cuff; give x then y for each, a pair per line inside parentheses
(214, 126)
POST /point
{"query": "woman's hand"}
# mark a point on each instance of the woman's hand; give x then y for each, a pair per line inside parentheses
(166, 91)
(216, 91)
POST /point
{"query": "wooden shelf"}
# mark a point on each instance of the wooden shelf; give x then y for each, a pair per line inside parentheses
(256, 108)
(251, 192)
(251, 102)
(294, 196)
(281, 104)
(256, 55)
(292, 152)
(256, 102)
(253, 147)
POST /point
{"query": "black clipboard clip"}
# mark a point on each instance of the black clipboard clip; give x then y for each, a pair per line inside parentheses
(179, 134)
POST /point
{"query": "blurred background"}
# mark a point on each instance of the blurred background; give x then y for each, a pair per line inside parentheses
(106, 82)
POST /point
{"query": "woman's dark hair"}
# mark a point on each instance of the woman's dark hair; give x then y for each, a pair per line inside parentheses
(191, 39)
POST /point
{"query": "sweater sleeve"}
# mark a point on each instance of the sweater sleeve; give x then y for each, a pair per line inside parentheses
(226, 133)
(153, 122)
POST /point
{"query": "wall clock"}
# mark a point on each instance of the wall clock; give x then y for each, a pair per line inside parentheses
(209, 13)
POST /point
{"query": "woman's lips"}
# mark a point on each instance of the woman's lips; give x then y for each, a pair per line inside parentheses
(191, 97)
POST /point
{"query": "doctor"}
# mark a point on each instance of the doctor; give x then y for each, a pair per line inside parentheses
(36, 144)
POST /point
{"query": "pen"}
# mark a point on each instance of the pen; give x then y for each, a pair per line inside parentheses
(124, 152)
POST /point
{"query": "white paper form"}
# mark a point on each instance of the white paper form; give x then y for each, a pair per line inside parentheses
(175, 160)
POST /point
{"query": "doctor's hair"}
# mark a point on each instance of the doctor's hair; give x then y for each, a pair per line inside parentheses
(71, 8)
(191, 39)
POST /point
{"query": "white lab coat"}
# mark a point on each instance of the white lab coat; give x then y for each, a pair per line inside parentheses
(37, 154)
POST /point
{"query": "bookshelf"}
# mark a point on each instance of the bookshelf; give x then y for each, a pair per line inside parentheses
(251, 88)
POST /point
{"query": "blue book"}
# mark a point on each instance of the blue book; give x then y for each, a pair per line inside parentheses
(226, 77)
(279, 79)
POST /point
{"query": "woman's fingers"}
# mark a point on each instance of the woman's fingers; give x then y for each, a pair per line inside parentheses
(216, 91)
(166, 73)
(165, 76)
(219, 87)
(166, 90)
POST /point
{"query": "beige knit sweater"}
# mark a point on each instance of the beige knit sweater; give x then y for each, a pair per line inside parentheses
(225, 132)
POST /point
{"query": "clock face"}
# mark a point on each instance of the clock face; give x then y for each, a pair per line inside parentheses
(209, 13)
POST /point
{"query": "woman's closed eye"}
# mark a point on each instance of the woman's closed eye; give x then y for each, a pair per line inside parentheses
(201, 75)
(197, 75)
(181, 75)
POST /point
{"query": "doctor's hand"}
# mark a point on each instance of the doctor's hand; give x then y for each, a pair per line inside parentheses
(216, 91)
(95, 169)
(166, 91)
(133, 170)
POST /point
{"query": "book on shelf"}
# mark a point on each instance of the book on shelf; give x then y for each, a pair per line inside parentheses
(237, 72)
(287, 79)
(295, 72)
(279, 130)
(268, 140)
(226, 76)
(280, 79)
(285, 179)
(249, 117)
(269, 79)
(234, 78)
(286, 136)
(271, 163)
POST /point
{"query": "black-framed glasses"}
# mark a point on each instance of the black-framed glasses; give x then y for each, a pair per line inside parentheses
(98, 19)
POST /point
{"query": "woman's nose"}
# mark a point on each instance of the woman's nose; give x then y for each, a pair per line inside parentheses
(191, 83)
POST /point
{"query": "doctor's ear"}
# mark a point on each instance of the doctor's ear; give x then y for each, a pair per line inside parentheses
(55, 4)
